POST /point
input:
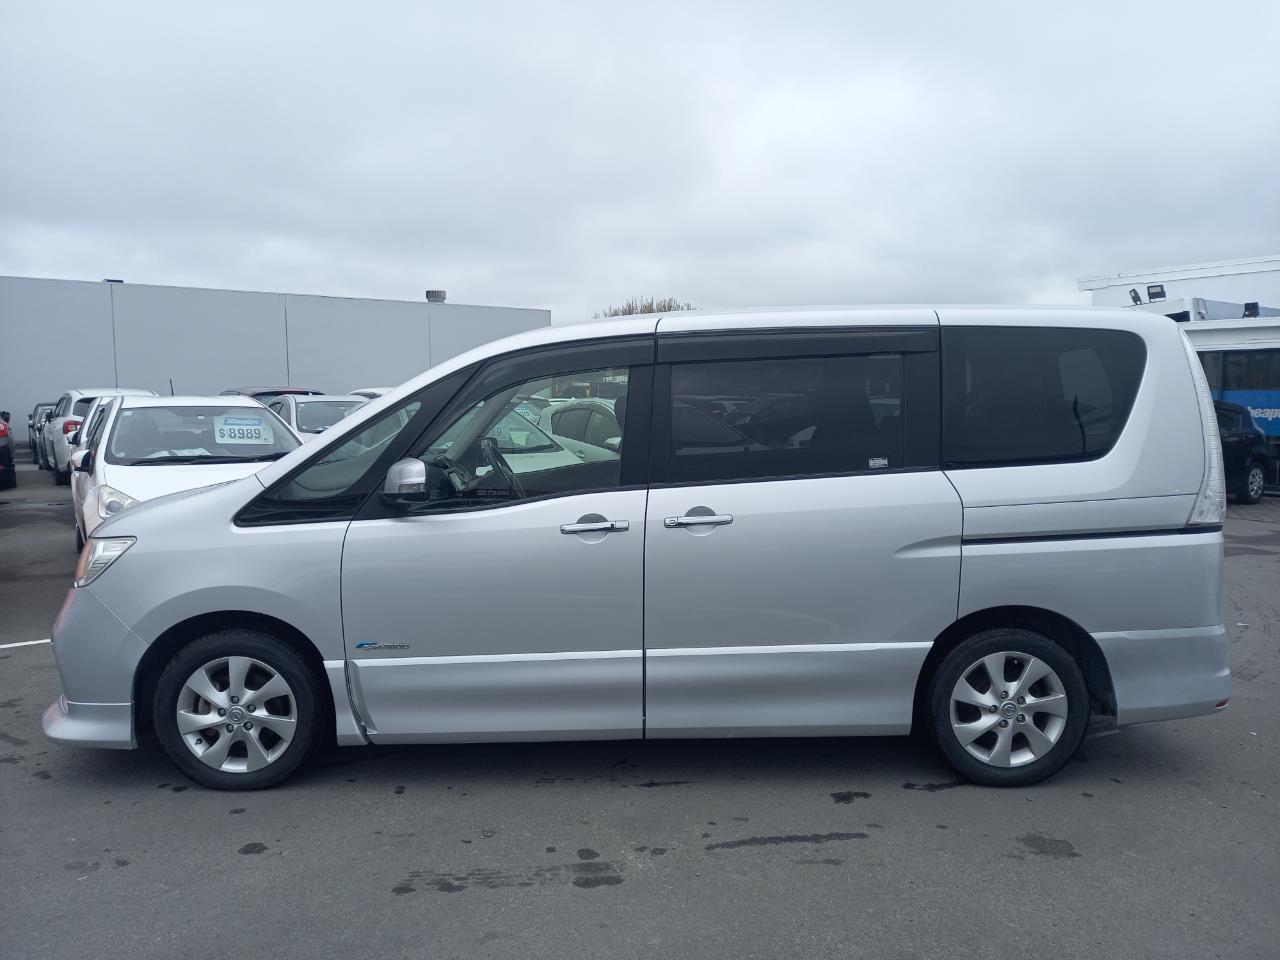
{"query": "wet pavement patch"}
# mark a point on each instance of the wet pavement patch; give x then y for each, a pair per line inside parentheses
(1048, 846)
(933, 787)
(585, 876)
(848, 796)
(785, 838)
(254, 848)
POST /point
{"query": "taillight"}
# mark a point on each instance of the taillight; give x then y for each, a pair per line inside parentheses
(70, 426)
(4, 429)
(1210, 507)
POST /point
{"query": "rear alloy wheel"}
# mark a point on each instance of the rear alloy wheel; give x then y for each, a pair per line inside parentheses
(1252, 486)
(236, 710)
(1010, 707)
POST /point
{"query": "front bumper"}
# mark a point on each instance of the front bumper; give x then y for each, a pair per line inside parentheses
(108, 725)
(1167, 674)
(97, 656)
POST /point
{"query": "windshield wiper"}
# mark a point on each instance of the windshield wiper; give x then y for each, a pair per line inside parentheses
(274, 455)
(157, 461)
(170, 460)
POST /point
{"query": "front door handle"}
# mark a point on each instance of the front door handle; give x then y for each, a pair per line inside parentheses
(711, 520)
(596, 526)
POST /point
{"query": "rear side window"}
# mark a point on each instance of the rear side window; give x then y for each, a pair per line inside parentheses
(1023, 395)
(789, 417)
(82, 406)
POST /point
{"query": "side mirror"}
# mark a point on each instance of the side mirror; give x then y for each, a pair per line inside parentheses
(614, 444)
(82, 461)
(406, 482)
(47, 416)
(74, 438)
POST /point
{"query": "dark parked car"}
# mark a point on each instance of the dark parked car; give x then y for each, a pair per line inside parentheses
(1244, 452)
(35, 427)
(8, 476)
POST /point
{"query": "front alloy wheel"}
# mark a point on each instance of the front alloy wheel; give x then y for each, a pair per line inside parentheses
(236, 710)
(236, 714)
(1010, 707)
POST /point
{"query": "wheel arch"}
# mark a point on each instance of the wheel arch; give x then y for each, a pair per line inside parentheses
(168, 643)
(1062, 630)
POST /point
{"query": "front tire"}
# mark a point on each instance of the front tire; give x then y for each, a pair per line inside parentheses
(1253, 484)
(1009, 706)
(236, 710)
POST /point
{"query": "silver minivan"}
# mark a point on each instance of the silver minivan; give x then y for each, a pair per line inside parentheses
(985, 523)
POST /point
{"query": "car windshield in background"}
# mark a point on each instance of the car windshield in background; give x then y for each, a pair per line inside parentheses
(317, 415)
(183, 434)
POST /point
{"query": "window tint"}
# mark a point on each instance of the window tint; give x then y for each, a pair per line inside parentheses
(491, 453)
(82, 406)
(1017, 395)
(570, 423)
(601, 427)
(756, 419)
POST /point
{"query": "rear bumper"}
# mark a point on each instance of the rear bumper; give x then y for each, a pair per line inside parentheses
(1167, 674)
(108, 725)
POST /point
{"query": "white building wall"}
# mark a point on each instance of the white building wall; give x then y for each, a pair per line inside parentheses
(59, 334)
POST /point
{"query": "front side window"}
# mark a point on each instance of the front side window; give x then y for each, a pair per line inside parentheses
(772, 418)
(1023, 395)
(492, 453)
(146, 436)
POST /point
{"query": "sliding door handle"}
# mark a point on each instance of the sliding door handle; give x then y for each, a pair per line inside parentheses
(596, 526)
(710, 520)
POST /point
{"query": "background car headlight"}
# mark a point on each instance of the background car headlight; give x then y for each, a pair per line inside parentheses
(98, 554)
(111, 501)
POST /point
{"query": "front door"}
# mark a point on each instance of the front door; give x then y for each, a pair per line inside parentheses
(803, 549)
(508, 605)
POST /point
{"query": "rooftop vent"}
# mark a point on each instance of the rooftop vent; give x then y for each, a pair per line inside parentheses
(435, 296)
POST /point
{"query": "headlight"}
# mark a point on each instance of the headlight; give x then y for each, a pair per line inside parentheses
(98, 554)
(111, 501)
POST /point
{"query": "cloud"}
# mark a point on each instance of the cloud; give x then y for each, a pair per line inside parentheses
(572, 155)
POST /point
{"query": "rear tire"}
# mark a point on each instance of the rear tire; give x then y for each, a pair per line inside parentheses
(1253, 484)
(1022, 732)
(266, 694)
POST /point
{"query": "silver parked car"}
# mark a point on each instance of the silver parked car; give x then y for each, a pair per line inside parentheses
(997, 522)
(313, 413)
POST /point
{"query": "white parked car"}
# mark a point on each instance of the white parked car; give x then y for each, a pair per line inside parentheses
(68, 417)
(146, 447)
(314, 413)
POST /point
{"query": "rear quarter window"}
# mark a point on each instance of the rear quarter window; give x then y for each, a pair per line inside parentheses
(1024, 395)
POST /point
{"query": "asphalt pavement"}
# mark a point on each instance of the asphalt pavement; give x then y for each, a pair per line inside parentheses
(1157, 841)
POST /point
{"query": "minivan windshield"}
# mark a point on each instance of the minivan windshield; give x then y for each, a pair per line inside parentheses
(317, 415)
(144, 436)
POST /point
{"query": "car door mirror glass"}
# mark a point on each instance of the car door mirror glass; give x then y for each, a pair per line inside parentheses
(406, 481)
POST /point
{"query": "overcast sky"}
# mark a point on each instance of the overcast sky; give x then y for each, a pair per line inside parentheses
(570, 155)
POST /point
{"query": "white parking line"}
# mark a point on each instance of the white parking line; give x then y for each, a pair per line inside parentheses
(24, 643)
